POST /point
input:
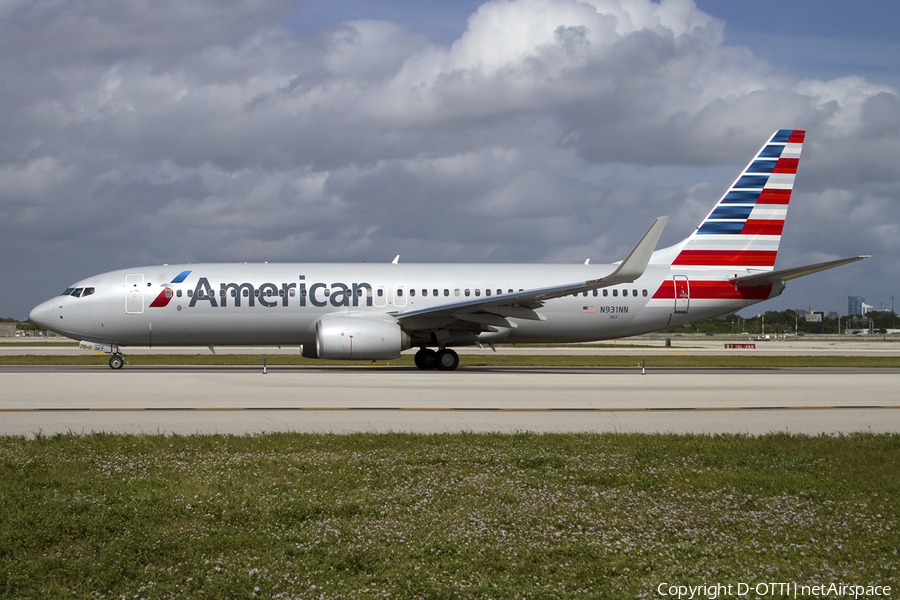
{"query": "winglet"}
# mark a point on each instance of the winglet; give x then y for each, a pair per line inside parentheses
(396, 260)
(636, 262)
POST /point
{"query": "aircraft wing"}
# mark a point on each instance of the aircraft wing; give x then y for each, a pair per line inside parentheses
(495, 310)
(779, 277)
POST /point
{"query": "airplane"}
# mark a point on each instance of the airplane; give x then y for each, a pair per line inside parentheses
(375, 311)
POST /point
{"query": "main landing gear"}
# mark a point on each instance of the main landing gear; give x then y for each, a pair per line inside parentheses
(442, 360)
(116, 361)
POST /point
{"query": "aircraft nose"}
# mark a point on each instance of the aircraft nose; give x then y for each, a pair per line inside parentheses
(43, 313)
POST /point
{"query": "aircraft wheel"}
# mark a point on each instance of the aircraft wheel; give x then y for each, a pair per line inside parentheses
(116, 361)
(447, 360)
(426, 359)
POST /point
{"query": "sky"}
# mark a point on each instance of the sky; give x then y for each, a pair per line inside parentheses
(153, 131)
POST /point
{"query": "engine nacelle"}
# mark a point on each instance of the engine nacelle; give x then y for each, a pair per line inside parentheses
(341, 337)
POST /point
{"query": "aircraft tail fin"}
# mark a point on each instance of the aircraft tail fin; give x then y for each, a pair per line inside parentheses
(744, 228)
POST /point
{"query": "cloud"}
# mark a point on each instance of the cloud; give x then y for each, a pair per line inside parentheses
(152, 132)
(160, 31)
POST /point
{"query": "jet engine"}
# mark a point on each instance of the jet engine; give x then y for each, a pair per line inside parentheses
(341, 337)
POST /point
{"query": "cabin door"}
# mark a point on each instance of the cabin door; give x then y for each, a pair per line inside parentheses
(400, 296)
(134, 294)
(381, 296)
(682, 293)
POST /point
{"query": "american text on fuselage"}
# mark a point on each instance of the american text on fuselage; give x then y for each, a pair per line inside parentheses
(319, 294)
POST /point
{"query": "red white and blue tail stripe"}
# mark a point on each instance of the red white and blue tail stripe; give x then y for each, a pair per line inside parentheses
(744, 228)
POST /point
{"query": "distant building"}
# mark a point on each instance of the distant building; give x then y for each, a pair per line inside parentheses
(855, 305)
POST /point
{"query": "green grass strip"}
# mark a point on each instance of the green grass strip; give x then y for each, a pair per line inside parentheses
(485, 360)
(443, 516)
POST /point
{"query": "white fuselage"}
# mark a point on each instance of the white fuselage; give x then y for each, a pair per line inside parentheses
(281, 303)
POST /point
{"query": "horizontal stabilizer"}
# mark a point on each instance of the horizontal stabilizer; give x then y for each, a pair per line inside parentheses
(776, 277)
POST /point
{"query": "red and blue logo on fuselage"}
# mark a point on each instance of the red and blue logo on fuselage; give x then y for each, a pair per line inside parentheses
(165, 296)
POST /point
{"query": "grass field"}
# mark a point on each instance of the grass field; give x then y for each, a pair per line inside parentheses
(485, 360)
(446, 516)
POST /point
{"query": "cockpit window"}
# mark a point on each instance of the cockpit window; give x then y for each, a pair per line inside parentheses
(78, 292)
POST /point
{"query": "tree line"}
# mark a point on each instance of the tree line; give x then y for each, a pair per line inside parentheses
(788, 322)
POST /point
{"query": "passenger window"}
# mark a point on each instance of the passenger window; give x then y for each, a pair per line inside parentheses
(222, 293)
(190, 293)
(281, 292)
(478, 292)
(456, 293)
(399, 292)
(644, 292)
(605, 293)
(510, 291)
(201, 293)
(435, 292)
(499, 292)
(634, 293)
(292, 292)
(380, 292)
(358, 292)
(178, 293)
(615, 293)
(246, 292)
(466, 292)
(412, 292)
(595, 293)
(446, 292)
(487, 292)
(584, 293)
(269, 292)
(424, 292)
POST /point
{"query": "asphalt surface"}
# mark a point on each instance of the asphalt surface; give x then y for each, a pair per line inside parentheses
(695, 346)
(244, 400)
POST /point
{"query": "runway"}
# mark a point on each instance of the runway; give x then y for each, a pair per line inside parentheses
(243, 400)
(648, 347)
